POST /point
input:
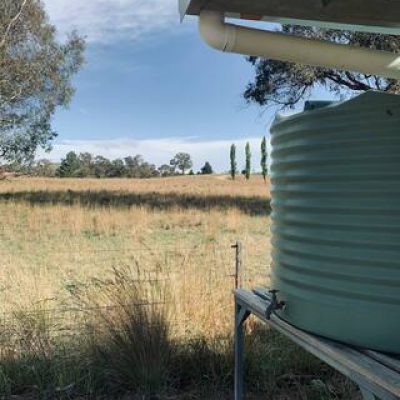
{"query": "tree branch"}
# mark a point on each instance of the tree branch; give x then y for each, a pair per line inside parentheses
(358, 83)
(377, 82)
(13, 22)
(351, 84)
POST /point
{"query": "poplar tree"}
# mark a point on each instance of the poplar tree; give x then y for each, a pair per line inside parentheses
(264, 168)
(248, 161)
(233, 162)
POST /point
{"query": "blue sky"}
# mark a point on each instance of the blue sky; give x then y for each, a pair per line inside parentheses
(150, 86)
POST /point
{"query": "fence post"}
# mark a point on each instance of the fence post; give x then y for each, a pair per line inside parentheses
(238, 264)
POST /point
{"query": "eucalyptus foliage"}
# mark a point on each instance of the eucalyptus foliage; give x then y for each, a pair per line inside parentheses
(35, 77)
(285, 84)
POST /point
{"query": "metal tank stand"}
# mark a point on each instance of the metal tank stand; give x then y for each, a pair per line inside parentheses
(376, 374)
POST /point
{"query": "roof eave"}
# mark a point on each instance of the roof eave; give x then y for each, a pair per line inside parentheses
(329, 20)
(183, 8)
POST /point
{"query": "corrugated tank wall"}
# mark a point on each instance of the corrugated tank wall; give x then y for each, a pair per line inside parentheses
(335, 177)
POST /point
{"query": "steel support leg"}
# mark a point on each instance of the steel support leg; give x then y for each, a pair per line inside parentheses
(241, 314)
(367, 395)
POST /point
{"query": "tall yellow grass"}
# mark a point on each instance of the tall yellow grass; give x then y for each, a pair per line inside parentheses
(49, 246)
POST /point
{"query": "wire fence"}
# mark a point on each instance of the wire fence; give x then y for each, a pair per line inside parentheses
(194, 284)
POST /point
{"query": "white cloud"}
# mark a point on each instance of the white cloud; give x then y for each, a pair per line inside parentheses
(160, 151)
(105, 21)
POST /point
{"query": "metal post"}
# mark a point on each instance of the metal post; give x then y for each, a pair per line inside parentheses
(241, 315)
(238, 264)
(239, 344)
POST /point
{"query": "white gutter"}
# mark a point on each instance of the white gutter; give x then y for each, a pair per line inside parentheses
(274, 45)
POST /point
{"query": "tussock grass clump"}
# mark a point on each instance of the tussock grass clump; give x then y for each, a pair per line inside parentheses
(131, 347)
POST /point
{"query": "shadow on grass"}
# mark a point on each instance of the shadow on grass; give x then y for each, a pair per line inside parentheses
(122, 367)
(153, 200)
(128, 351)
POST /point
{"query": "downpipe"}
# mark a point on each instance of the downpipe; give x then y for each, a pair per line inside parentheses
(279, 46)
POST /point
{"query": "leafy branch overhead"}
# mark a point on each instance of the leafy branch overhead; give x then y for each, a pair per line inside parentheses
(285, 84)
(35, 77)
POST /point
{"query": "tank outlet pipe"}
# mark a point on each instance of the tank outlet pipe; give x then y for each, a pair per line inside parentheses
(274, 45)
(274, 304)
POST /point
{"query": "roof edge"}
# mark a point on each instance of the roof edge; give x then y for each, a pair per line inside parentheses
(183, 7)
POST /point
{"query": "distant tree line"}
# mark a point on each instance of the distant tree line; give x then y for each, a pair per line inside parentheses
(87, 165)
(247, 169)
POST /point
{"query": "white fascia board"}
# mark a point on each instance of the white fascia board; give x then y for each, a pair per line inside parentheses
(386, 30)
(183, 7)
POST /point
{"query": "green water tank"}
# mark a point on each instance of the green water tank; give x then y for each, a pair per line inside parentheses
(335, 178)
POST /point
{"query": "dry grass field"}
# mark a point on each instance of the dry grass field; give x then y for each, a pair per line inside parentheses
(55, 232)
(119, 286)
